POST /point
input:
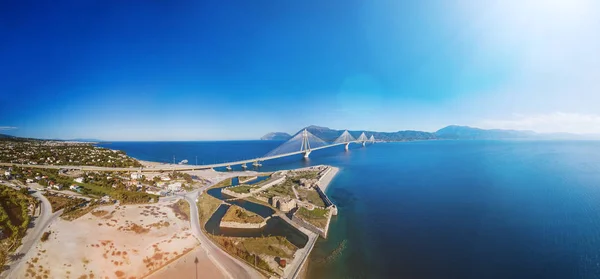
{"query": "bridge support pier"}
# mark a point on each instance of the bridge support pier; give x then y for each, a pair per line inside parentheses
(229, 168)
(347, 146)
(306, 153)
(364, 143)
(244, 167)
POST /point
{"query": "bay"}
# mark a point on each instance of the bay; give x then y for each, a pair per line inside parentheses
(442, 209)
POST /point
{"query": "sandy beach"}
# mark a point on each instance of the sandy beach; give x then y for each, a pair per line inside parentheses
(326, 180)
(129, 241)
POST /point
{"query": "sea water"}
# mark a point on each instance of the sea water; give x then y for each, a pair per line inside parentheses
(442, 209)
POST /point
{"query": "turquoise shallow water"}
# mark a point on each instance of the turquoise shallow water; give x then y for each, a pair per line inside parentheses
(446, 209)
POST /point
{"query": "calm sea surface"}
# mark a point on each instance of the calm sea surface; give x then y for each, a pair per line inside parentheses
(443, 209)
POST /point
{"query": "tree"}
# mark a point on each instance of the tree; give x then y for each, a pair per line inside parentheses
(188, 178)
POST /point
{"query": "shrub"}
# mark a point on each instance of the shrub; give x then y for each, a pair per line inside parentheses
(45, 236)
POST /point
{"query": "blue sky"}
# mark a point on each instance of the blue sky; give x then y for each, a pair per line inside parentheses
(191, 70)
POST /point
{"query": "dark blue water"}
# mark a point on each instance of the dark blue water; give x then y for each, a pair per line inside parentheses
(205, 152)
(453, 209)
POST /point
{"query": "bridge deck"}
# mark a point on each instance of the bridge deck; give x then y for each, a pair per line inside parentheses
(177, 167)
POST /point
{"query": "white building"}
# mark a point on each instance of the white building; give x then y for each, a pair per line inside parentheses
(175, 187)
(153, 192)
(57, 187)
(136, 175)
(74, 187)
(79, 179)
(29, 180)
(7, 173)
(165, 178)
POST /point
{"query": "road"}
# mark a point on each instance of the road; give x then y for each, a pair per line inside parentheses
(171, 167)
(293, 269)
(234, 267)
(33, 235)
(230, 265)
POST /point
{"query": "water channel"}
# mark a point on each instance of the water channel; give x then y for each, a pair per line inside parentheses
(275, 225)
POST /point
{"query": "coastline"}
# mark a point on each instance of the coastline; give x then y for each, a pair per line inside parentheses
(299, 267)
(323, 184)
(327, 178)
(213, 176)
(304, 271)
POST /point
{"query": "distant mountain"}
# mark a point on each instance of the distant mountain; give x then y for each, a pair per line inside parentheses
(5, 137)
(276, 136)
(452, 132)
(464, 132)
(84, 140)
(327, 134)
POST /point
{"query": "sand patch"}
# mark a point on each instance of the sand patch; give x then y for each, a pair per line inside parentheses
(186, 267)
(111, 242)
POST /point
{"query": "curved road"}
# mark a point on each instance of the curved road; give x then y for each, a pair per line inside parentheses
(230, 265)
(33, 235)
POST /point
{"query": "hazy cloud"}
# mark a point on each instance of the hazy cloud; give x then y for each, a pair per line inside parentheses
(550, 51)
(6, 128)
(548, 123)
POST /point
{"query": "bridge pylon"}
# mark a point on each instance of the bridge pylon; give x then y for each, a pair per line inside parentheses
(302, 142)
(305, 144)
(363, 139)
(346, 138)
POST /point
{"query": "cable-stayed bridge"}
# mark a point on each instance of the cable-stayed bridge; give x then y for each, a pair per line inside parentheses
(303, 142)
